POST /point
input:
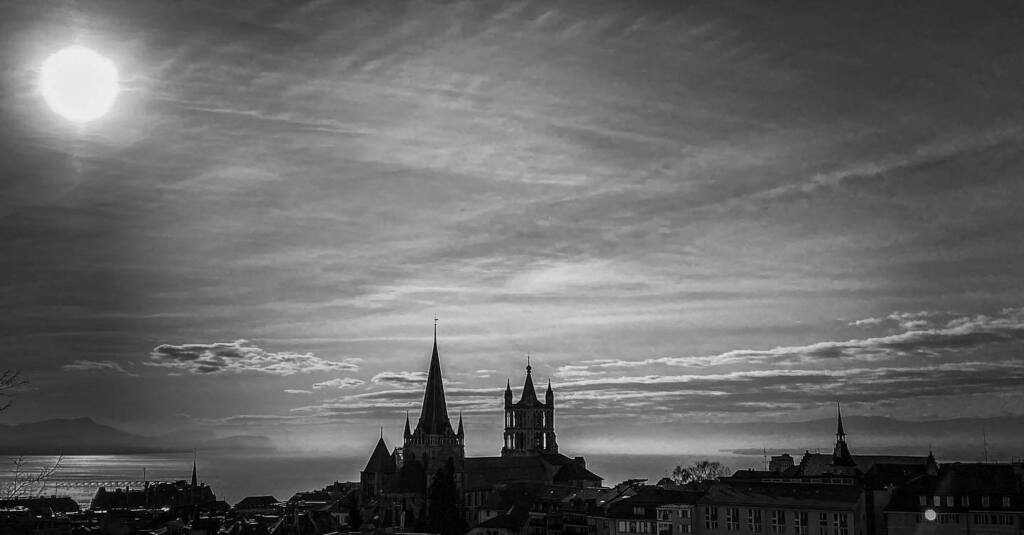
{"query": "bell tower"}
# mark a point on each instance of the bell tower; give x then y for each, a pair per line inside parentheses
(529, 423)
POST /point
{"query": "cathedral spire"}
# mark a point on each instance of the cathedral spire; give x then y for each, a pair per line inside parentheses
(549, 396)
(408, 433)
(840, 434)
(434, 416)
(195, 480)
(460, 432)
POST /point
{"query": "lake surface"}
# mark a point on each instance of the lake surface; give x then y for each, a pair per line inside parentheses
(233, 476)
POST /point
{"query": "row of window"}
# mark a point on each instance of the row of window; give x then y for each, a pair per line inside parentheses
(941, 518)
(666, 514)
(634, 526)
(665, 528)
(995, 520)
(965, 501)
(836, 524)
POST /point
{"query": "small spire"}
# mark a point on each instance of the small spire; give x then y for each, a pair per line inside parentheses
(195, 480)
(382, 431)
(528, 367)
(407, 432)
(460, 432)
(840, 433)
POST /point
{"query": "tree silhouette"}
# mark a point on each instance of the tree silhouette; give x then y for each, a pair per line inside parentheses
(443, 502)
(21, 482)
(355, 518)
(704, 470)
(9, 380)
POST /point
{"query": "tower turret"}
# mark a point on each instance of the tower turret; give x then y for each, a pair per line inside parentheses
(549, 396)
(508, 393)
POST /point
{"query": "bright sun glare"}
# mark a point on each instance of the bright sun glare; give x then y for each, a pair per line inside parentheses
(79, 84)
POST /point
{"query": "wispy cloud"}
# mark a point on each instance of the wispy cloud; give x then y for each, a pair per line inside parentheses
(401, 378)
(94, 366)
(339, 383)
(241, 356)
(961, 333)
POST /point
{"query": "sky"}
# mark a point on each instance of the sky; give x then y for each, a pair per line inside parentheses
(682, 211)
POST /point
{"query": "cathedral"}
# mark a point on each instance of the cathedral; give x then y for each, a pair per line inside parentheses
(395, 482)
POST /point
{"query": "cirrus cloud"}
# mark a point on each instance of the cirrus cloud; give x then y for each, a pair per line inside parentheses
(339, 383)
(242, 356)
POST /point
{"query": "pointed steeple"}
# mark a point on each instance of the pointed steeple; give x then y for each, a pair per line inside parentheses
(549, 396)
(195, 480)
(408, 433)
(841, 455)
(840, 434)
(460, 432)
(434, 416)
(381, 459)
(529, 393)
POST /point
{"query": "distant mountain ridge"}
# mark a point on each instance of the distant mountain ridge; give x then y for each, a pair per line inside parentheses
(84, 436)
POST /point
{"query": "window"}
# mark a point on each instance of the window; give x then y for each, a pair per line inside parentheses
(732, 519)
(841, 524)
(664, 514)
(1006, 502)
(664, 528)
(684, 528)
(985, 502)
(622, 526)
(754, 520)
(936, 500)
(801, 523)
(711, 518)
(778, 521)
(965, 501)
(998, 520)
(823, 524)
(922, 500)
(638, 511)
(950, 501)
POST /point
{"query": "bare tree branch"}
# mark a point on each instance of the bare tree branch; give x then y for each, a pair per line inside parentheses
(9, 380)
(26, 484)
(22, 483)
(700, 471)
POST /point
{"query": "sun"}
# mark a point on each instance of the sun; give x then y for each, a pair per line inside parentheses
(79, 84)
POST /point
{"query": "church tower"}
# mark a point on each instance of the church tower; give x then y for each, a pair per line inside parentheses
(842, 459)
(529, 423)
(433, 441)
